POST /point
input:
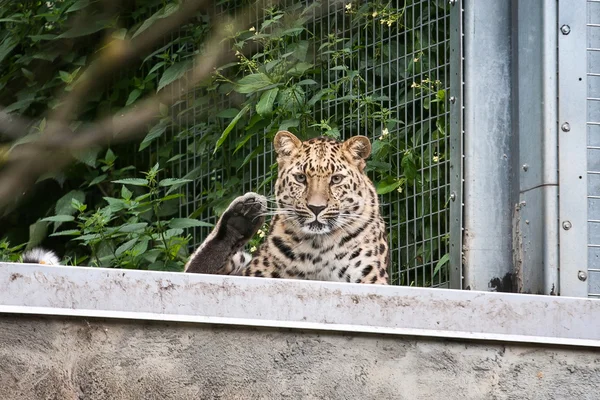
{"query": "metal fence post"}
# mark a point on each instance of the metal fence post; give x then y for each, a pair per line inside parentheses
(535, 197)
(593, 146)
(572, 140)
(487, 240)
(456, 144)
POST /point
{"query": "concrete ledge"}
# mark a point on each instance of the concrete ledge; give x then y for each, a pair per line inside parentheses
(261, 302)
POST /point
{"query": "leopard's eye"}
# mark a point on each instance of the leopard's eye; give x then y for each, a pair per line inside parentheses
(300, 178)
(335, 179)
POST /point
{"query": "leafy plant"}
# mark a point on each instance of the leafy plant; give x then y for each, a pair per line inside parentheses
(134, 230)
(10, 253)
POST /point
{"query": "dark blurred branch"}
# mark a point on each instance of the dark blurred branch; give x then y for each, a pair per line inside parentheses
(55, 147)
(120, 53)
(13, 126)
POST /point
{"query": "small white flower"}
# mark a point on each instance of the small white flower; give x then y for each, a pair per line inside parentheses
(374, 14)
(436, 159)
(349, 6)
(252, 249)
(252, 29)
(384, 133)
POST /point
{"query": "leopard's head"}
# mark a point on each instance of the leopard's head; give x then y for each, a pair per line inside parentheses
(321, 185)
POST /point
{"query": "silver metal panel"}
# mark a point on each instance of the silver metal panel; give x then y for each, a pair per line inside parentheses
(144, 295)
(535, 245)
(456, 144)
(488, 208)
(573, 176)
(593, 143)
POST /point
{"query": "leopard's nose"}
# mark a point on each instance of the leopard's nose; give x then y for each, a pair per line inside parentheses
(316, 209)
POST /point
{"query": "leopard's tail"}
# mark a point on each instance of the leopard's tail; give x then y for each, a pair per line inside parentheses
(39, 255)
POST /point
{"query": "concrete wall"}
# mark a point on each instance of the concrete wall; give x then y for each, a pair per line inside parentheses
(65, 358)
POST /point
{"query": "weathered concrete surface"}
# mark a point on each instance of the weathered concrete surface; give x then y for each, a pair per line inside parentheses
(47, 358)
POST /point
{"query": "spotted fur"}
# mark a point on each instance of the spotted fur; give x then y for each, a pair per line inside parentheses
(327, 225)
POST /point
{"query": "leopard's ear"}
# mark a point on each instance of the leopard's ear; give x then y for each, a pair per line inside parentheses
(358, 149)
(286, 144)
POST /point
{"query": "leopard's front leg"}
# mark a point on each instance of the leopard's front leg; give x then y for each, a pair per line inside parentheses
(220, 252)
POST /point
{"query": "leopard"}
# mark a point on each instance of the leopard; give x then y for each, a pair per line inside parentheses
(326, 223)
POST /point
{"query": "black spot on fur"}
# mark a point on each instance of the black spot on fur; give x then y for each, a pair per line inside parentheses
(283, 248)
(275, 274)
(374, 279)
(367, 270)
(342, 271)
(355, 254)
(352, 235)
(258, 274)
(382, 272)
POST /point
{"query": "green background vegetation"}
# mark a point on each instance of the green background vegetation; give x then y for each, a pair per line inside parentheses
(372, 68)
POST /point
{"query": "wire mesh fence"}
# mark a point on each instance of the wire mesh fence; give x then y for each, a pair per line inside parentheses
(369, 68)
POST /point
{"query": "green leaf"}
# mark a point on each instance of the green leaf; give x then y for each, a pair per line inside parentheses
(125, 246)
(133, 96)
(265, 105)
(130, 228)
(110, 156)
(65, 76)
(8, 44)
(119, 34)
(229, 113)
(409, 167)
(307, 82)
(183, 223)
(162, 13)
(88, 157)
(140, 247)
(126, 193)
(68, 232)
(63, 205)
(78, 5)
(37, 232)
(387, 186)
(252, 83)
(98, 179)
(300, 68)
(155, 132)
(59, 218)
(230, 127)
(173, 73)
(28, 74)
(289, 123)
(443, 261)
(132, 181)
(173, 181)
(84, 29)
